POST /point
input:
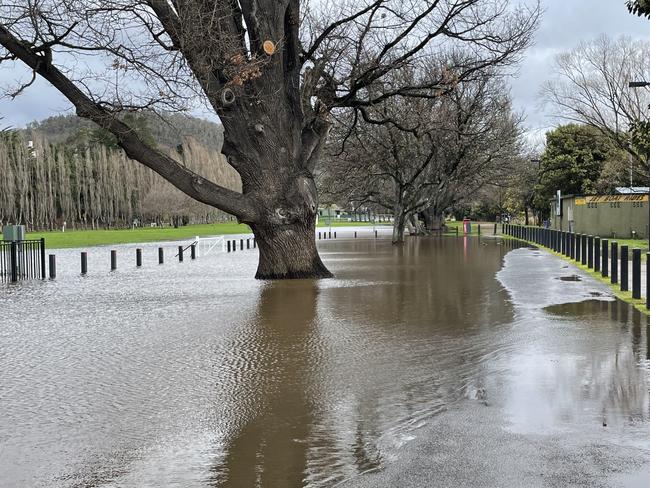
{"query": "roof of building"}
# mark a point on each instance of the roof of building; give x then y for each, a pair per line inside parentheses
(628, 190)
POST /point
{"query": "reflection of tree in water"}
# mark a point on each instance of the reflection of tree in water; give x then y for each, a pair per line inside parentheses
(270, 447)
(334, 371)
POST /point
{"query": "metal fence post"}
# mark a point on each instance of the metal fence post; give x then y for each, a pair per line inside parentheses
(14, 261)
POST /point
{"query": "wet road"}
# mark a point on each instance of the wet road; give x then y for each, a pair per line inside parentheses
(447, 362)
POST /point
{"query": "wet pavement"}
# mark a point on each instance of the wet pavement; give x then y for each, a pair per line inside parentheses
(445, 362)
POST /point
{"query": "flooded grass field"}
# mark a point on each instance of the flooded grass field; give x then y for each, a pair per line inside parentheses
(445, 362)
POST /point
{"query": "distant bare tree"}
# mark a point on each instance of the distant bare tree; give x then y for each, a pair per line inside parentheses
(274, 71)
(432, 154)
(591, 86)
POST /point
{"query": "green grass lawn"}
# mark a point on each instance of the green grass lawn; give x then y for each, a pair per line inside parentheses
(88, 238)
(631, 243)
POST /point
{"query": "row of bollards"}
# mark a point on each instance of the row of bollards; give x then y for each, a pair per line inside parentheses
(324, 235)
(231, 246)
(599, 255)
(113, 258)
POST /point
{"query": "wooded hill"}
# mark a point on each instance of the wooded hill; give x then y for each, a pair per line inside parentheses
(74, 172)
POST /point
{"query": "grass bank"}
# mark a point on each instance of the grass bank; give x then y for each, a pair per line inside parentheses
(89, 238)
(625, 296)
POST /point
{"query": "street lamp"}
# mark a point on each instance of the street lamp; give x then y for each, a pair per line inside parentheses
(644, 84)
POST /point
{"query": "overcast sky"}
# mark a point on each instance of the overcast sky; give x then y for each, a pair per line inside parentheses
(565, 23)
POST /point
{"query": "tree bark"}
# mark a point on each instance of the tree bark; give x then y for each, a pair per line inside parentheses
(399, 224)
(288, 252)
(433, 220)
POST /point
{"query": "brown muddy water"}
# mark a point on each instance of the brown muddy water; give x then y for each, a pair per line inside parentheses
(445, 362)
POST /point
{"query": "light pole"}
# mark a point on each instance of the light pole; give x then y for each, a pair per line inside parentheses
(644, 84)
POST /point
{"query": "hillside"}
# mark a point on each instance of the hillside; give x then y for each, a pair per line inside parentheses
(65, 170)
(168, 129)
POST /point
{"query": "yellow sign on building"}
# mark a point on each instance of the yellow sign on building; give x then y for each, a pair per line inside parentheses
(611, 199)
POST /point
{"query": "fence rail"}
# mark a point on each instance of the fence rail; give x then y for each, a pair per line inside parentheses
(22, 260)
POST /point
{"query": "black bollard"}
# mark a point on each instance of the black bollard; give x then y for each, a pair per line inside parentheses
(228, 245)
(180, 254)
(234, 245)
(43, 265)
(647, 280)
(52, 266)
(590, 252)
(583, 252)
(578, 245)
(596, 253)
(495, 229)
(355, 234)
(193, 251)
(113, 260)
(605, 261)
(161, 255)
(319, 235)
(613, 263)
(636, 273)
(330, 235)
(84, 263)
(248, 243)
(254, 243)
(334, 234)
(241, 244)
(375, 234)
(624, 268)
(478, 227)
(138, 258)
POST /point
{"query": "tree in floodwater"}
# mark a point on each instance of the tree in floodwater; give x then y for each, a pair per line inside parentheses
(274, 71)
(425, 155)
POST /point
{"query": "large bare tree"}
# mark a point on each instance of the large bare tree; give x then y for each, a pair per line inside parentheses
(591, 86)
(274, 71)
(431, 155)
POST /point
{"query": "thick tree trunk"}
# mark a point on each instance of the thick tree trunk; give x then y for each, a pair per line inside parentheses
(288, 252)
(399, 224)
(285, 229)
(433, 220)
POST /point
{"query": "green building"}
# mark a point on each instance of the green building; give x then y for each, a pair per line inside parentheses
(624, 215)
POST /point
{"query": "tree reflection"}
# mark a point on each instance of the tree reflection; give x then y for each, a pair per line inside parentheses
(270, 447)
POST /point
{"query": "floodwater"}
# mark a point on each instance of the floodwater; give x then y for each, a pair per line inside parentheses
(445, 362)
